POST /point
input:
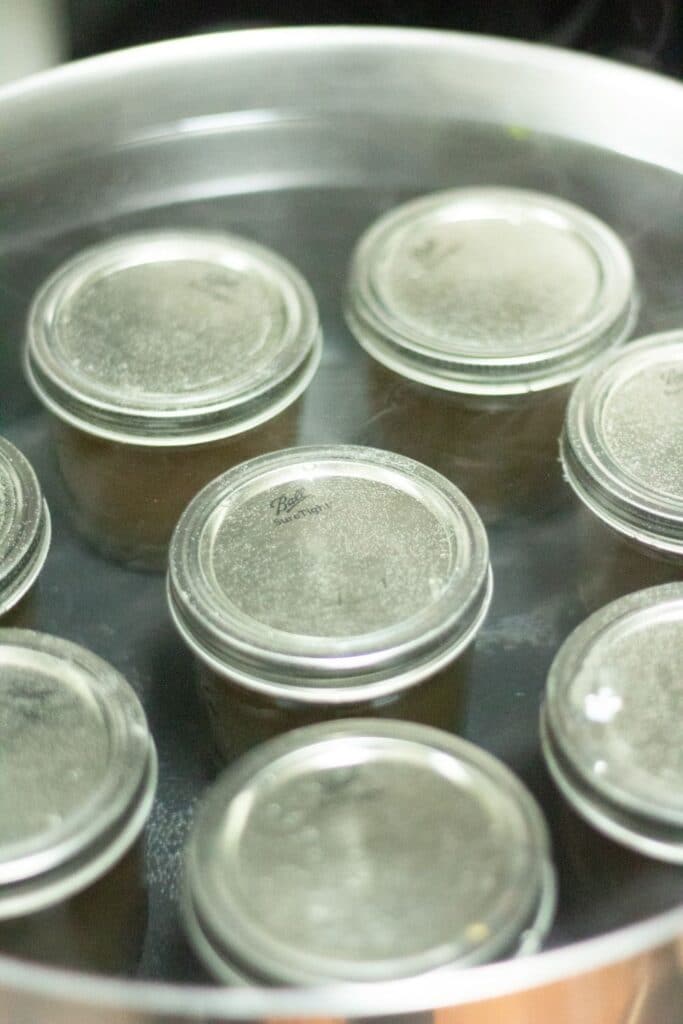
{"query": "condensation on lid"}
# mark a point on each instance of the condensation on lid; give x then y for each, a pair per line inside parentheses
(24, 526)
(318, 564)
(76, 763)
(622, 445)
(615, 699)
(172, 335)
(366, 851)
(489, 290)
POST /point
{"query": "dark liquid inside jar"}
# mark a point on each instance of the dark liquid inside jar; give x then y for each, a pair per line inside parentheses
(22, 615)
(240, 719)
(100, 929)
(612, 565)
(126, 499)
(501, 451)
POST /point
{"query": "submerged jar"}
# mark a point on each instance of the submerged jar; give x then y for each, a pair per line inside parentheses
(622, 453)
(611, 724)
(478, 307)
(321, 582)
(77, 784)
(24, 535)
(365, 851)
(166, 358)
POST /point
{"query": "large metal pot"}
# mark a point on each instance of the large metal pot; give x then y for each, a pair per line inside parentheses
(299, 138)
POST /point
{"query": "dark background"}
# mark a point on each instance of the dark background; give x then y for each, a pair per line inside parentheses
(644, 32)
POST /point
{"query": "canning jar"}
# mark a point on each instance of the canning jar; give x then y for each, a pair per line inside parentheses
(611, 721)
(164, 358)
(478, 307)
(622, 453)
(365, 851)
(24, 535)
(325, 581)
(76, 788)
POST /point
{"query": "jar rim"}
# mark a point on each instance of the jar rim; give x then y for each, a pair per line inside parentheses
(584, 708)
(296, 662)
(204, 283)
(57, 858)
(412, 348)
(625, 500)
(25, 527)
(234, 939)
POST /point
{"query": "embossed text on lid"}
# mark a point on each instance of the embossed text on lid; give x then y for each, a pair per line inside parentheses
(315, 565)
(78, 769)
(614, 703)
(622, 445)
(489, 290)
(366, 851)
(24, 526)
(172, 336)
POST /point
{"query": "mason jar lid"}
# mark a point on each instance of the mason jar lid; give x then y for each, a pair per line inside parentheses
(329, 574)
(172, 337)
(489, 290)
(365, 851)
(622, 445)
(611, 720)
(78, 770)
(24, 526)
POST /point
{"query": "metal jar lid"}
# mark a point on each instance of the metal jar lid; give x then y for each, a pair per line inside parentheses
(489, 290)
(24, 526)
(78, 770)
(169, 338)
(622, 445)
(329, 574)
(365, 851)
(611, 722)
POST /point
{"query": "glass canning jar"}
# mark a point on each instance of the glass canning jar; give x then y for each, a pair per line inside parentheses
(611, 721)
(322, 582)
(166, 357)
(77, 784)
(365, 851)
(622, 453)
(24, 535)
(478, 307)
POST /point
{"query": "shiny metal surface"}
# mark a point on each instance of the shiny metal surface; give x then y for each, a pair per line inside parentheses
(25, 528)
(300, 139)
(330, 574)
(78, 770)
(622, 446)
(490, 291)
(172, 338)
(612, 710)
(307, 859)
(612, 700)
(611, 718)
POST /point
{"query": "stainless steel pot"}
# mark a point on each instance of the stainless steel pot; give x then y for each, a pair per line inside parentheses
(299, 139)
